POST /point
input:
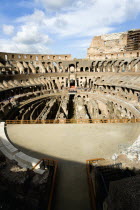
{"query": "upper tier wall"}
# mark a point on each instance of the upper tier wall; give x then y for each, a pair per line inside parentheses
(116, 45)
(117, 55)
(32, 57)
(108, 43)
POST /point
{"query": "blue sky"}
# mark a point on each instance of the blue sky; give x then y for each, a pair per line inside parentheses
(62, 26)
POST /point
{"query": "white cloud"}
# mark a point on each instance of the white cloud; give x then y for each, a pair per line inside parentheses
(63, 5)
(69, 20)
(8, 29)
(83, 18)
(12, 46)
(31, 34)
(97, 17)
(35, 18)
(30, 38)
(54, 4)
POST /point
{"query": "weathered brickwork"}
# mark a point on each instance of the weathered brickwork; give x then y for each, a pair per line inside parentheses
(116, 44)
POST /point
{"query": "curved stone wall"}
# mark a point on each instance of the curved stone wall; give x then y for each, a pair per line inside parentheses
(114, 55)
(12, 153)
(124, 87)
(49, 66)
(32, 66)
(24, 82)
(31, 57)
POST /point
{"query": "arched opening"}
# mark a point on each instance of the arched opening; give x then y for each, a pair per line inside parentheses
(72, 67)
(92, 66)
(72, 83)
(37, 69)
(6, 57)
(125, 67)
(77, 82)
(99, 111)
(77, 64)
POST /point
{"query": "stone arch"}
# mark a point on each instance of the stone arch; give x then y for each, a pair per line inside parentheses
(72, 68)
(125, 66)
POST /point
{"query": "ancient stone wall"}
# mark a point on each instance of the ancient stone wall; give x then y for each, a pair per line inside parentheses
(116, 45)
(114, 55)
(33, 67)
(108, 43)
(32, 57)
(120, 88)
(133, 40)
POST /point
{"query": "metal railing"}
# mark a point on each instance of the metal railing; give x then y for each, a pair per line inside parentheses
(54, 163)
(70, 121)
(91, 185)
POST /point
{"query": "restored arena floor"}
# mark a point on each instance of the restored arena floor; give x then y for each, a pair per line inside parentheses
(72, 145)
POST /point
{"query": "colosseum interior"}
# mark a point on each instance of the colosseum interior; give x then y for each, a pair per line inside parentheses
(65, 121)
